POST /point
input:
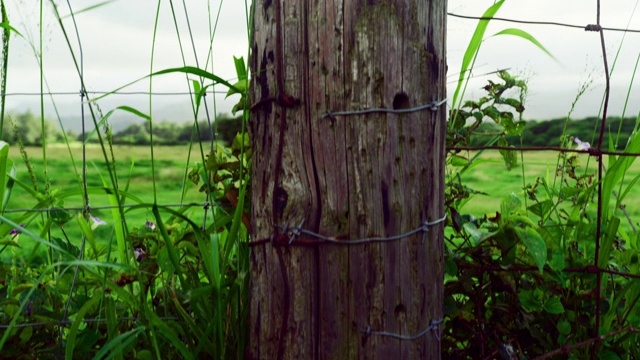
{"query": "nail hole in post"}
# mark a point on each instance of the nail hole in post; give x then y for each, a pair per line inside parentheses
(401, 101)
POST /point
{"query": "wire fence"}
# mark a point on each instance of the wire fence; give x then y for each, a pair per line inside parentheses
(290, 235)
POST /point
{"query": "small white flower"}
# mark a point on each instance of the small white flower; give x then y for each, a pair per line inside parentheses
(140, 253)
(150, 225)
(582, 145)
(96, 222)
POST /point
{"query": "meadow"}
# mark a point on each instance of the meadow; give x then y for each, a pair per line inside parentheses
(493, 181)
(134, 172)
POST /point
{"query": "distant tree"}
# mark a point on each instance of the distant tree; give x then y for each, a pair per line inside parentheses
(166, 133)
(29, 127)
(134, 134)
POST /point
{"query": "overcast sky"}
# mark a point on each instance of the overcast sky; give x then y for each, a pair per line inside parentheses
(116, 42)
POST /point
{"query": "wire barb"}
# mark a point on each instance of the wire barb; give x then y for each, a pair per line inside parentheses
(295, 232)
(433, 106)
(593, 27)
(434, 326)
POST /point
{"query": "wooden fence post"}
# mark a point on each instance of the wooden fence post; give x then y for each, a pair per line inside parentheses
(347, 176)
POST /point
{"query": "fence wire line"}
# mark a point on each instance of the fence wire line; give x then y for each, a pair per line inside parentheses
(86, 321)
(293, 233)
(433, 326)
(56, 93)
(433, 106)
(106, 207)
(591, 151)
(589, 27)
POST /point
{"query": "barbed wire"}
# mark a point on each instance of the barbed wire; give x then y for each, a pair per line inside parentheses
(433, 106)
(293, 233)
(433, 326)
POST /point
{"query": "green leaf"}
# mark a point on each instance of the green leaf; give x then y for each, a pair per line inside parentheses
(541, 209)
(557, 262)
(618, 167)
(450, 268)
(525, 35)
(564, 327)
(5, 25)
(164, 261)
(4, 167)
(108, 115)
(458, 161)
(87, 9)
(60, 216)
(510, 204)
(529, 300)
(569, 191)
(477, 235)
(119, 343)
(77, 321)
(85, 227)
(9, 243)
(241, 69)
(240, 87)
(607, 355)
(535, 245)
(198, 72)
(607, 243)
(553, 306)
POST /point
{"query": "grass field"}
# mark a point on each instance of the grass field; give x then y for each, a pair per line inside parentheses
(491, 177)
(133, 167)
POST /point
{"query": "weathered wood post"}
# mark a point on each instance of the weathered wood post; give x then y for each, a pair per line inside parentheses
(347, 177)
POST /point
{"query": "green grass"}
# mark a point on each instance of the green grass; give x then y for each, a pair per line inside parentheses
(491, 177)
(133, 166)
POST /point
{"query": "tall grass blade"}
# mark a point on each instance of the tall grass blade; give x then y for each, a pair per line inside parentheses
(617, 168)
(473, 48)
(108, 115)
(169, 334)
(173, 255)
(186, 70)
(88, 8)
(77, 321)
(526, 36)
(217, 294)
(5, 165)
(118, 344)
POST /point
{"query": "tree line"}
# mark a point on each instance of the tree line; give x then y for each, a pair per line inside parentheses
(27, 127)
(551, 133)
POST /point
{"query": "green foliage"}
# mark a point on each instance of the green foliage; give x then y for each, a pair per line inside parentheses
(464, 122)
(524, 275)
(27, 126)
(169, 133)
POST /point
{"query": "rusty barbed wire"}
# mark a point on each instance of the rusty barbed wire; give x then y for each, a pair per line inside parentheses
(433, 106)
(291, 235)
(433, 326)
